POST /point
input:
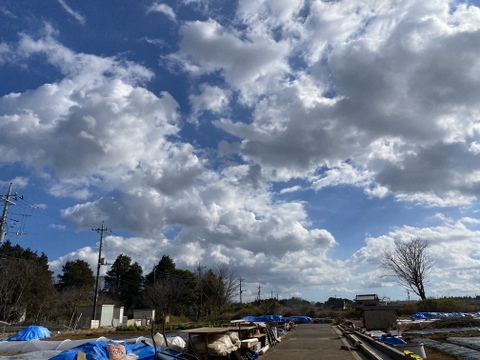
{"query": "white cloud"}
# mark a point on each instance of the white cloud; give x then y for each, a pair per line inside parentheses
(58, 227)
(344, 174)
(19, 181)
(103, 127)
(209, 98)
(381, 96)
(452, 246)
(164, 9)
(399, 109)
(246, 64)
(77, 16)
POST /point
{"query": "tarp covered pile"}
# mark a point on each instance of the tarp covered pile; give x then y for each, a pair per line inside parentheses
(439, 315)
(28, 341)
(30, 333)
(278, 318)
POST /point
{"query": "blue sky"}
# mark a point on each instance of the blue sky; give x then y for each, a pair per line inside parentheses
(292, 141)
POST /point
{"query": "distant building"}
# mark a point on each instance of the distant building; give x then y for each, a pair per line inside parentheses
(362, 301)
(143, 317)
(106, 315)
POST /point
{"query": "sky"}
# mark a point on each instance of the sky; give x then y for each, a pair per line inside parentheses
(292, 141)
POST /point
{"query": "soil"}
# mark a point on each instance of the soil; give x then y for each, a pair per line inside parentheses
(448, 323)
(434, 354)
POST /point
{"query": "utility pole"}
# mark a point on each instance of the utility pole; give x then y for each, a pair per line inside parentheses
(200, 281)
(101, 230)
(7, 199)
(259, 287)
(241, 291)
(3, 219)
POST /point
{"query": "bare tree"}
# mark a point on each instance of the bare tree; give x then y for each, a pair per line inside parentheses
(410, 263)
(219, 287)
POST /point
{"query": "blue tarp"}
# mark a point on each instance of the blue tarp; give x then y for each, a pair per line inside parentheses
(391, 340)
(30, 333)
(438, 315)
(264, 318)
(277, 318)
(98, 350)
(300, 319)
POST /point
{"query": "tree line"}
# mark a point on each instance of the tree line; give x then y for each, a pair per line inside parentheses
(29, 290)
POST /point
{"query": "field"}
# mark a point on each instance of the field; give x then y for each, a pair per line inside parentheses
(443, 329)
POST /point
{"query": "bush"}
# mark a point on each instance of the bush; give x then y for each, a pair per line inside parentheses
(467, 305)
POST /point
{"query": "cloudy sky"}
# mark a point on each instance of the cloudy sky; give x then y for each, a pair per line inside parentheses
(293, 141)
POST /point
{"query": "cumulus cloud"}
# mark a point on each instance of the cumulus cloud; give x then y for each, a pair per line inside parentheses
(96, 123)
(386, 80)
(269, 100)
(210, 98)
(246, 64)
(452, 247)
(111, 133)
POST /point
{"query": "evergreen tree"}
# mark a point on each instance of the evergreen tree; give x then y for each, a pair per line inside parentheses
(170, 290)
(76, 274)
(164, 267)
(124, 281)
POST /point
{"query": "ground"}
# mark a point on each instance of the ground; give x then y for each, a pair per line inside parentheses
(448, 323)
(432, 354)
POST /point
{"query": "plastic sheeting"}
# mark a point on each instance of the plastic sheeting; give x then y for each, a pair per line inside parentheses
(94, 348)
(175, 343)
(29, 333)
(391, 340)
(278, 318)
(99, 351)
(225, 344)
(438, 315)
(300, 319)
(68, 349)
(15, 347)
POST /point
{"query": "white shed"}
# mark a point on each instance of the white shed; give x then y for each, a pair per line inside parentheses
(104, 314)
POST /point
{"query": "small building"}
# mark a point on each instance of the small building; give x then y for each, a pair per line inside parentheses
(378, 317)
(143, 317)
(374, 316)
(118, 316)
(362, 301)
(106, 315)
